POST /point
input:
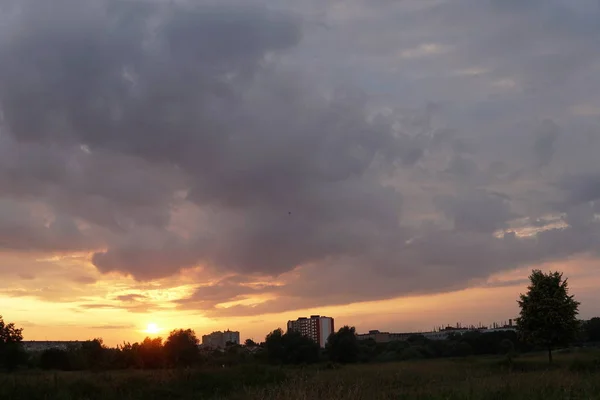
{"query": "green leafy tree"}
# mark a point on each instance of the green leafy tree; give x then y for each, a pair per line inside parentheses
(181, 348)
(342, 346)
(548, 315)
(11, 352)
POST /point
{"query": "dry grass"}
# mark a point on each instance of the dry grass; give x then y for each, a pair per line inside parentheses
(574, 376)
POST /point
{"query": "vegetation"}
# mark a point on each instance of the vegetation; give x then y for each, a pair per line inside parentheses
(11, 354)
(591, 330)
(342, 346)
(290, 348)
(548, 313)
(573, 375)
(181, 348)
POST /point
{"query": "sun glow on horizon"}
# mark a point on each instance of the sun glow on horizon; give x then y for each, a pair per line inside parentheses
(152, 329)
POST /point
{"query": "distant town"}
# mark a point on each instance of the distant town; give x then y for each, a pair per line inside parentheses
(316, 327)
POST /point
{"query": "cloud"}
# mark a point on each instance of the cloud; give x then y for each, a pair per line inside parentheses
(136, 308)
(545, 139)
(113, 327)
(424, 50)
(477, 211)
(85, 280)
(164, 136)
(226, 290)
(130, 297)
(270, 156)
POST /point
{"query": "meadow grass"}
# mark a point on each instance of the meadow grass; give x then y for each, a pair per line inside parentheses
(574, 375)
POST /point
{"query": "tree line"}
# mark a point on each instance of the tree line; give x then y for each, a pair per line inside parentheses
(548, 320)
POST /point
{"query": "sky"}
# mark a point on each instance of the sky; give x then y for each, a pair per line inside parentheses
(394, 164)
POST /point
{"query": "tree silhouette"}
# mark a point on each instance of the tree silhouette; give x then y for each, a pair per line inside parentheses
(291, 348)
(9, 333)
(181, 348)
(92, 354)
(11, 353)
(151, 353)
(342, 346)
(55, 359)
(274, 345)
(548, 315)
(592, 329)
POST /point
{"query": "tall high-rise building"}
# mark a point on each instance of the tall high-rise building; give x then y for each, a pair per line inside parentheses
(221, 339)
(317, 327)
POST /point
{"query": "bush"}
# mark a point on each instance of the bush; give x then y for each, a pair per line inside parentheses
(411, 353)
(55, 359)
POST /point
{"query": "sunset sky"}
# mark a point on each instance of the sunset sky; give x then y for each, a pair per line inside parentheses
(394, 164)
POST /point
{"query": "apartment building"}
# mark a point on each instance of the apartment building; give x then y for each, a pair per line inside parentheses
(317, 327)
(219, 340)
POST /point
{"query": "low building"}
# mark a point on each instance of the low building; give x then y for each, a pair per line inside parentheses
(220, 340)
(317, 327)
(41, 345)
(442, 334)
(377, 336)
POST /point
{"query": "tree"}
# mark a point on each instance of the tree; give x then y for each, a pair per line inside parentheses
(55, 359)
(291, 348)
(507, 348)
(181, 348)
(299, 349)
(11, 353)
(92, 354)
(548, 315)
(343, 346)
(250, 343)
(274, 345)
(592, 329)
(151, 353)
(129, 356)
(9, 334)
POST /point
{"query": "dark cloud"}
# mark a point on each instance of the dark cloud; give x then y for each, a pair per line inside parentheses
(478, 211)
(580, 189)
(251, 142)
(545, 139)
(20, 228)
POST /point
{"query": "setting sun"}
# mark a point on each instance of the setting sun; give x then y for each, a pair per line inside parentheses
(152, 329)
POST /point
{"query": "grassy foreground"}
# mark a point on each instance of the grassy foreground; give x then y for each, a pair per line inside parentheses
(573, 376)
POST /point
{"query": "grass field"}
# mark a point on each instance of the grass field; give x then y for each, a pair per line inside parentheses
(573, 376)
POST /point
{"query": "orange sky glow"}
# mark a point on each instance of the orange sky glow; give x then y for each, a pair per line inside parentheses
(61, 319)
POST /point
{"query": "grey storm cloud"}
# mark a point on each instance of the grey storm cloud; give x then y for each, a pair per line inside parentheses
(189, 88)
(166, 135)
